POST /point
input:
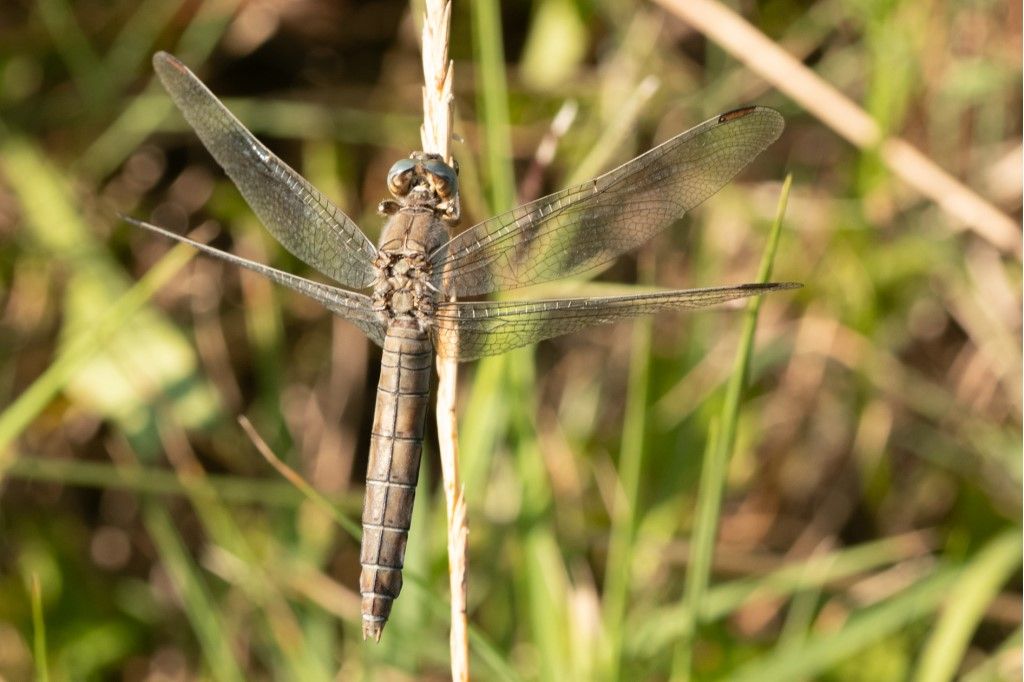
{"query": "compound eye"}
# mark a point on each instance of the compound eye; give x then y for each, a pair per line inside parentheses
(443, 178)
(400, 177)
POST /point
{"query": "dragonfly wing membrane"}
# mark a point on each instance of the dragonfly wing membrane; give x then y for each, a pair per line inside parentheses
(300, 217)
(474, 330)
(350, 305)
(586, 226)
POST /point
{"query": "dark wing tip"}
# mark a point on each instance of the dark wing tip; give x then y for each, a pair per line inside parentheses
(737, 113)
(767, 113)
(765, 287)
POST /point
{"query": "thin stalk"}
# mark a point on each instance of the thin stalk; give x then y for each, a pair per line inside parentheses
(436, 135)
(716, 460)
(303, 486)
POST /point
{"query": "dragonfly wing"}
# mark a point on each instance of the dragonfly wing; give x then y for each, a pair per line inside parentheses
(354, 307)
(586, 226)
(300, 217)
(473, 330)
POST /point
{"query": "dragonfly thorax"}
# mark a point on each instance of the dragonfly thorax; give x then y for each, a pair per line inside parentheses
(406, 284)
(403, 287)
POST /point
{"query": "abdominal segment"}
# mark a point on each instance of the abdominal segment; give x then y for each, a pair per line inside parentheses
(394, 463)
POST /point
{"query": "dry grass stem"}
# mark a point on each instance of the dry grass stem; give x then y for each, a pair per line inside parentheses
(436, 138)
(762, 56)
(286, 471)
(436, 132)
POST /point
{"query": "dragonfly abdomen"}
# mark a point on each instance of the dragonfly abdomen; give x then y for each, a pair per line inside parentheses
(391, 474)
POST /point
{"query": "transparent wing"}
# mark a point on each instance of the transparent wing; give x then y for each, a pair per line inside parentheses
(303, 220)
(473, 330)
(585, 226)
(354, 307)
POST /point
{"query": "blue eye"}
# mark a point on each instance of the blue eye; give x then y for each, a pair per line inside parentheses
(400, 175)
(401, 166)
(448, 181)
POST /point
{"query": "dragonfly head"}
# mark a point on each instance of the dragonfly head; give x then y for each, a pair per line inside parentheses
(423, 179)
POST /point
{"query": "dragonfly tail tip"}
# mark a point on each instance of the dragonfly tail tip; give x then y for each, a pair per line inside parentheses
(372, 630)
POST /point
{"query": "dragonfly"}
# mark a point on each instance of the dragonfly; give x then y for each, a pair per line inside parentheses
(402, 293)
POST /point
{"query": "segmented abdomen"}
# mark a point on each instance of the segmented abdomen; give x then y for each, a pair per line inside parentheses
(395, 446)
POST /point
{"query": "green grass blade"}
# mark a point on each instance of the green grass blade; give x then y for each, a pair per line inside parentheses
(212, 633)
(484, 650)
(665, 626)
(247, 569)
(715, 465)
(139, 118)
(979, 583)
(76, 51)
(687, 618)
(492, 84)
(152, 481)
(485, 422)
(131, 49)
(36, 397)
(618, 568)
(820, 653)
(38, 631)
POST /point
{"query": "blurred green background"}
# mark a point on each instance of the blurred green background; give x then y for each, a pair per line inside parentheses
(870, 519)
